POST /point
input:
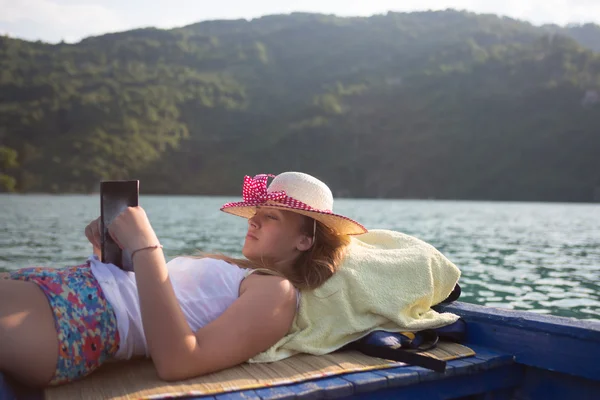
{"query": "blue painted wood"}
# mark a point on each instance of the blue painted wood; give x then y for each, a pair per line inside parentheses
(463, 367)
(326, 388)
(425, 374)
(502, 394)
(502, 378)
(546, 342)
(278, 392)
(543, 384)
(6, 392)
(306, 390)
(366, 381)
(492, 358)
(243, 395)
(400, 376)
(406, 376)
(335, 387)
(568, 327)
(10, 389)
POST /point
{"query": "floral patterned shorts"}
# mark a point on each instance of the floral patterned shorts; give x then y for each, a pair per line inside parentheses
(85, 321)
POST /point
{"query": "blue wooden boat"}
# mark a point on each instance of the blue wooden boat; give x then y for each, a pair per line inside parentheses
(520, 355)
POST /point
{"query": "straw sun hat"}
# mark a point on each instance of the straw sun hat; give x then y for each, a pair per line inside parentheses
(296, 192)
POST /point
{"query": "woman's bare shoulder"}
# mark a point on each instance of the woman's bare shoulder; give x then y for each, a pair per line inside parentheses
(276, 285)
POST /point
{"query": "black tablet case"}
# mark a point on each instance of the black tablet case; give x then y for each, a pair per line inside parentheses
(116, 196)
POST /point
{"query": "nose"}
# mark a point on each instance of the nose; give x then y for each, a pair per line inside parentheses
(252, 222)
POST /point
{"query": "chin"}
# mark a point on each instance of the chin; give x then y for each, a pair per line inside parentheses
(253, 254)
(246, 252)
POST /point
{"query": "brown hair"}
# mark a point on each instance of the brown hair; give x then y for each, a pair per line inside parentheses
(314, 266)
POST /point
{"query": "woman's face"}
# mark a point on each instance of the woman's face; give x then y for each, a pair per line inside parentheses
(276, 237)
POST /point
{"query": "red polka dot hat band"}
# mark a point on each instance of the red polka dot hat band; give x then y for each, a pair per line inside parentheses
(296, 192)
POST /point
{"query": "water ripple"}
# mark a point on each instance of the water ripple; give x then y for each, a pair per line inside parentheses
(543, 258)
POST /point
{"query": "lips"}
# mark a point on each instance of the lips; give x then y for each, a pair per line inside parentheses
(251, 236)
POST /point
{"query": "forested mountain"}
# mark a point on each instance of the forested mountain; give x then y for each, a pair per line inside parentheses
(442, 104)
(587, 35)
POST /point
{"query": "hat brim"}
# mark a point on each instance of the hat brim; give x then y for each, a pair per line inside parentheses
(339, 223)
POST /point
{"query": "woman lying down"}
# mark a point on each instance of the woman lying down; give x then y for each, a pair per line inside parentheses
(193, 315)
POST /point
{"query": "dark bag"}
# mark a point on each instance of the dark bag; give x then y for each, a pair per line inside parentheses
(406, 346)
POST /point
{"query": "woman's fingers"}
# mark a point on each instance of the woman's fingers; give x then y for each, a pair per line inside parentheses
(114, 237)
(92, 232)
(96, 232)
(131, 229)
(88, 234)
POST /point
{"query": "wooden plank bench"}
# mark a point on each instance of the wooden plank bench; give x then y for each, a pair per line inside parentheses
(487, 370)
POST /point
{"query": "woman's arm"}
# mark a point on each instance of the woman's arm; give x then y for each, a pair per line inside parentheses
(260, 316)
(168, 334)
(255, 321)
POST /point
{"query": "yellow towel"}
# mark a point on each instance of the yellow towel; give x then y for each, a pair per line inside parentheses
(387, 281)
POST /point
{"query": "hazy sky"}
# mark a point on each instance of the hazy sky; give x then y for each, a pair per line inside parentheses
(72, 20)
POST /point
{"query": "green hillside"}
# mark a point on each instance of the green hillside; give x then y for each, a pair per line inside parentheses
(422, 105)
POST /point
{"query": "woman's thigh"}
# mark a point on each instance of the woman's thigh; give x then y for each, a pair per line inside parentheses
(28, 337)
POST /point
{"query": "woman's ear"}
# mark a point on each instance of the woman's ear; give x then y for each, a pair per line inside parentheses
(305, 243)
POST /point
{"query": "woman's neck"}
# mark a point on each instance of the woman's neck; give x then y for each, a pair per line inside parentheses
(284, 267)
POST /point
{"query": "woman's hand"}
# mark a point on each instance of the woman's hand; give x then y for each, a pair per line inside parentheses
(92, 232)
(131, 229)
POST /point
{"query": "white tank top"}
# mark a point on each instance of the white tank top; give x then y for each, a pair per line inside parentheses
(205, 288)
